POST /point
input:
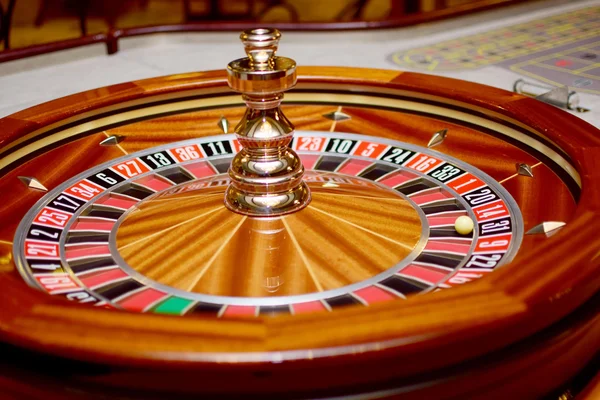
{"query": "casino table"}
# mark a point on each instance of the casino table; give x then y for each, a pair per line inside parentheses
(162, 239)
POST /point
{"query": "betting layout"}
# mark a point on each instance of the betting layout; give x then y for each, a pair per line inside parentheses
(560, 50)
(66, 243)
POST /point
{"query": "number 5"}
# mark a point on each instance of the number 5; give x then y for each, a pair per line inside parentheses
(369, 150)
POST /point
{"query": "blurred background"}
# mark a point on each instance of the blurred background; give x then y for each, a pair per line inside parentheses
(32, 22)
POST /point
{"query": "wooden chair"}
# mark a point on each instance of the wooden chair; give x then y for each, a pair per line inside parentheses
(216, 12)
(5, 22)
(110, 11)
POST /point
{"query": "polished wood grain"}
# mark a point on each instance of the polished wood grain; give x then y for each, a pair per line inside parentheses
(489, 154)
(189, 241)
(482, 323)
(66, 161)
(463, 142)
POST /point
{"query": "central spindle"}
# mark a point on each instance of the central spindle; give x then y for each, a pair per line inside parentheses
(266, 175)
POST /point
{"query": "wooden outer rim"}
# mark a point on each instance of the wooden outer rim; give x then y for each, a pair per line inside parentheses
(540, 362)
(426, 332)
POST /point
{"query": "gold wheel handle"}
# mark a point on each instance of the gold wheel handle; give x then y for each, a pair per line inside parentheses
(266, 175)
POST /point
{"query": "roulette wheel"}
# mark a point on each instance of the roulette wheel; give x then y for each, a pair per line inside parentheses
(376, 234)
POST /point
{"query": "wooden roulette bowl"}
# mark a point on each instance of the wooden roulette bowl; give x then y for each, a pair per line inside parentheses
(410, 328)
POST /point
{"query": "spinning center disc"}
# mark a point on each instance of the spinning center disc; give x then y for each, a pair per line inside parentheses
(353, 230)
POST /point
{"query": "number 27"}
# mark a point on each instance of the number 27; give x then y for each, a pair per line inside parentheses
(125, 167)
